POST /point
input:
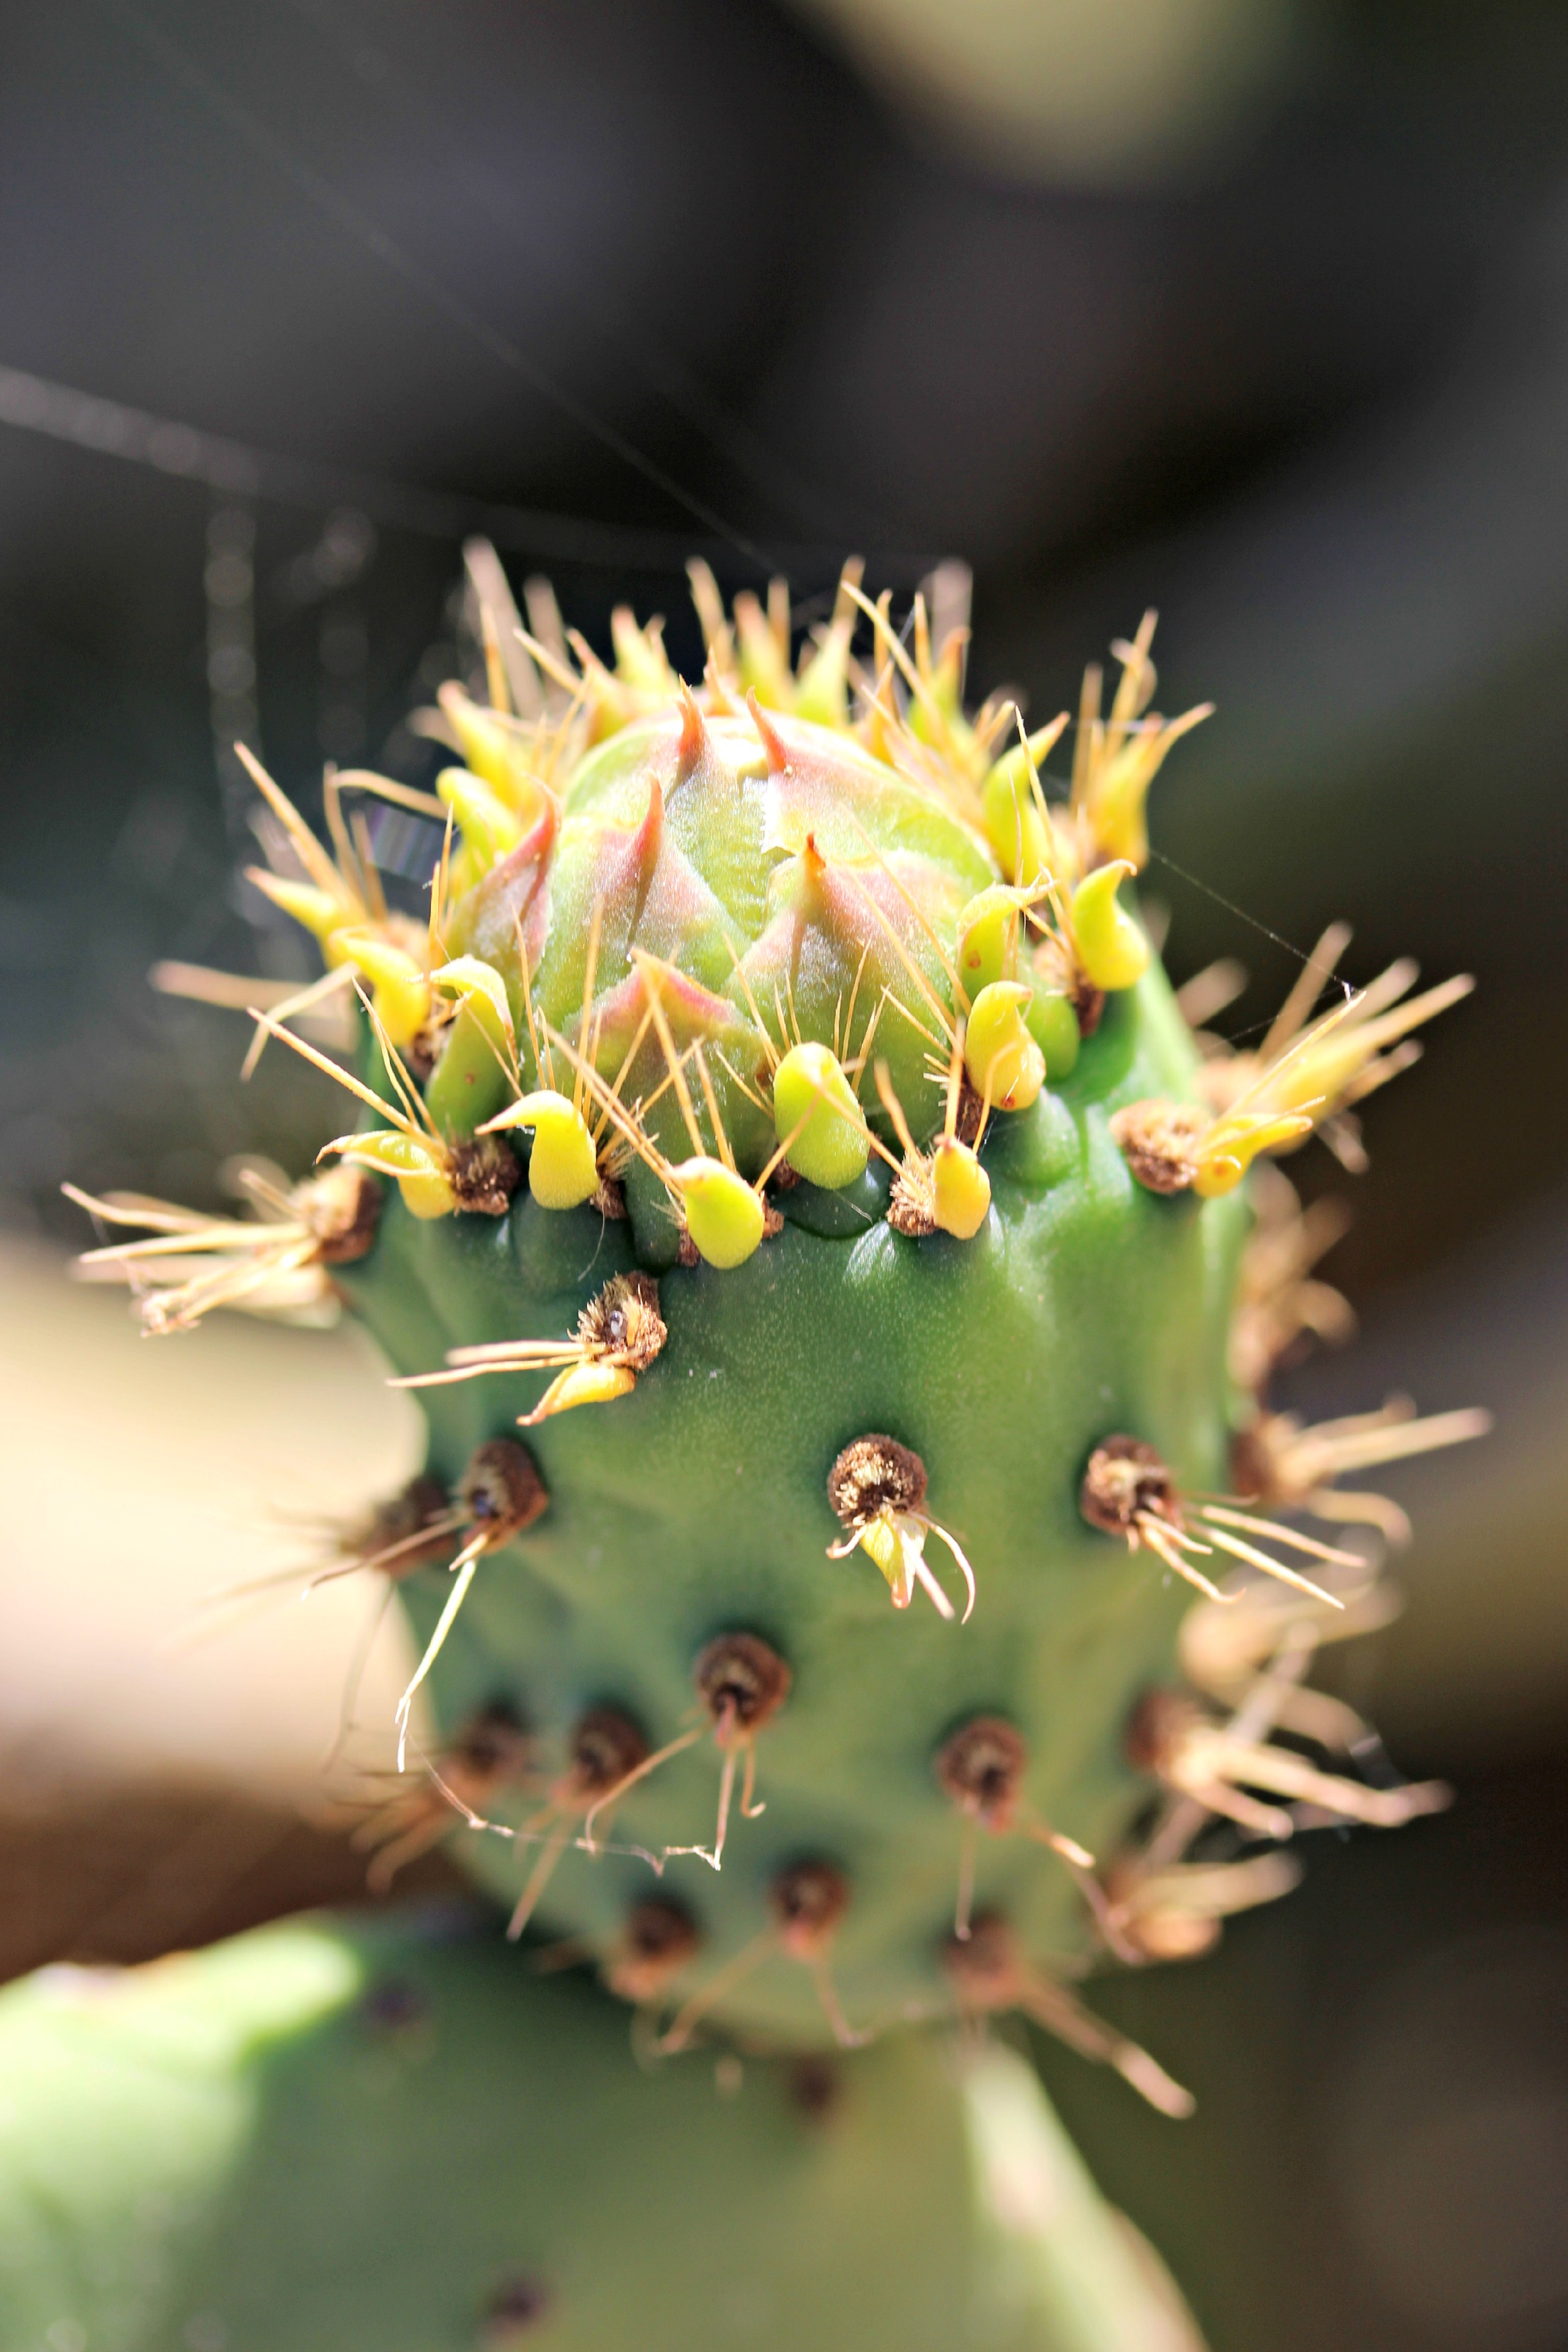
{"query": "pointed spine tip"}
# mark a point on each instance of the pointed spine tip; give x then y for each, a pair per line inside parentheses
(694, 737)
(768, 735)
(650, 837)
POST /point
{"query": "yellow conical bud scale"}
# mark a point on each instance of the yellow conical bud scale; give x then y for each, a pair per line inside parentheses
(723, 1213)
(817, 1119)
(1004, 1063)
(1112, 950)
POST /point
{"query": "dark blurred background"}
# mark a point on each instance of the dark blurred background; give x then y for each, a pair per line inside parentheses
(1253, 310)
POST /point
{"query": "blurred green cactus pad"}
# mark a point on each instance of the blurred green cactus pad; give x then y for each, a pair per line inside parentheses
(363, 2138)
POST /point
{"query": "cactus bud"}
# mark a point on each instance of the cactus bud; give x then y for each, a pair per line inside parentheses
(562, 1167)
(1013, 814)
(498, 751)
(724, 1215)
(961, 1190)
(1006, 1065)
(817, 1119)
(490, 830)
(1112, 951)
(321, 912)
(988, 940)
(419, 1168)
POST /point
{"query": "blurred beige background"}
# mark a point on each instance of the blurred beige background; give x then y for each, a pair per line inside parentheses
(145, 1476)
(161, 1759)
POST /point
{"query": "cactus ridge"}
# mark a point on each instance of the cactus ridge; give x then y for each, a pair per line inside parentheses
(783, 1120)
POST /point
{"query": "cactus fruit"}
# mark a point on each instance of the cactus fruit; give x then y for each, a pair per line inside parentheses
(786, 1179)
(361, 2138)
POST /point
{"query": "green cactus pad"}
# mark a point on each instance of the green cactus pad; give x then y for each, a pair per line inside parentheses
(401, 2140)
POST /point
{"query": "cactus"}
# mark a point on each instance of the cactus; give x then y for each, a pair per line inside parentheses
(363, 2138)
(786, 1179)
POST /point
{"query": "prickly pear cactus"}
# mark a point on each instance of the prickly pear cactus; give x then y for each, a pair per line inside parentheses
(855, 1559)
(363, 2138)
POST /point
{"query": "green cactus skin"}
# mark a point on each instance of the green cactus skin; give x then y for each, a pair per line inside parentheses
(698, 1504)
(392, 2141)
